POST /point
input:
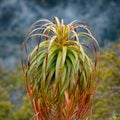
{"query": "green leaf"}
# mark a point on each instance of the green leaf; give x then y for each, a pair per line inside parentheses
(58, 65)
(52, 57)
(64, 52)
(49, 79)
(72, 58)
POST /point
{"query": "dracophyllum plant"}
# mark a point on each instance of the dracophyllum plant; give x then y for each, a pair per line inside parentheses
(61, 68)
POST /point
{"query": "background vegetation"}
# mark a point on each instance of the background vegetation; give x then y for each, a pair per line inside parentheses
(16, 16)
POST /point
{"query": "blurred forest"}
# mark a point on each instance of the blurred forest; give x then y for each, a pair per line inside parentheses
(15, 105)
(16, 16)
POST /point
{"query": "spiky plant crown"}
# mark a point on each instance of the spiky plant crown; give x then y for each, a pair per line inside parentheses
(60, 70)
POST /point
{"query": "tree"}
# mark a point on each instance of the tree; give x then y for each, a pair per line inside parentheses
(60, 70)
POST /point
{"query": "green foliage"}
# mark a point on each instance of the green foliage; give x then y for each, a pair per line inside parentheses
(115, 118)
(5, 105)
(107, 100)
(13, 82)
(5, 110)
(3, 94)
(24, 112)
(12, 86)
(60, 70)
